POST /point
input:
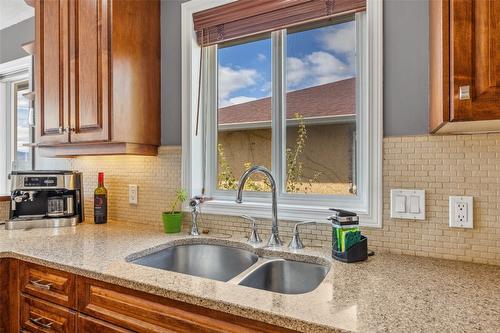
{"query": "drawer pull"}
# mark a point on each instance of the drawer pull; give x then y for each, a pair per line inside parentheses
(40, 285)
(39, 322)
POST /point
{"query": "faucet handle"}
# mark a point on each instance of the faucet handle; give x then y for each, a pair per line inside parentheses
(296, 242)
(254, 235)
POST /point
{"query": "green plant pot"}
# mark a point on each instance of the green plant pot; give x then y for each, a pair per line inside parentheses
(172, 222)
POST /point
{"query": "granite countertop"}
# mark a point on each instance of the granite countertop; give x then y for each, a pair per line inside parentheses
(389, 293)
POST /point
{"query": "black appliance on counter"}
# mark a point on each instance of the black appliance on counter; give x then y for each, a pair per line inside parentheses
(45, 199)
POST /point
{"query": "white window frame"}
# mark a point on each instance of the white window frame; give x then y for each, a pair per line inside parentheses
(368, 202)
(10, 73)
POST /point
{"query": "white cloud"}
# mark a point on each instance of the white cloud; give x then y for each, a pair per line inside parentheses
(316, 68)
(266, 87)
(327, 68)
(261, 57)
(235, 100)
(340, 39)
(297, 70)
(232, 80)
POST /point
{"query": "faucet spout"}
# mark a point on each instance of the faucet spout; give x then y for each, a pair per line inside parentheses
(274, 240)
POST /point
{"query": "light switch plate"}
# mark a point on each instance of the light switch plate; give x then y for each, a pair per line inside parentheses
(461, 213)
(408, 204)
(133, 194)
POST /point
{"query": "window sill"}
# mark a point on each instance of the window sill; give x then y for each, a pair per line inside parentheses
(263, 210)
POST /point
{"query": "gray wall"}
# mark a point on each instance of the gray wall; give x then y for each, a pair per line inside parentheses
(171, 72)
(406, 54)
(12, 37)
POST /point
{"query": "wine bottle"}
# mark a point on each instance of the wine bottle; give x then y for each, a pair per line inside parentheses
(100, 201)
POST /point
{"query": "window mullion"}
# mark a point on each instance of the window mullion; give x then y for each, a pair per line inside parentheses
(278, 107)
(209, 117)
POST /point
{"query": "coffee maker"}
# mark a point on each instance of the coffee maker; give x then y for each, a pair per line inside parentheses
(45, 199)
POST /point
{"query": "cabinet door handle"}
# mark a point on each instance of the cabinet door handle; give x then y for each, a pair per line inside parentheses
(40, 285)
(39, 322)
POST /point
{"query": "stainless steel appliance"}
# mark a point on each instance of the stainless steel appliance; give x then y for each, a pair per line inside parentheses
(45, 199)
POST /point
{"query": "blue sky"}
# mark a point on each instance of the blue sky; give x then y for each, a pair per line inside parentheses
(314, 57)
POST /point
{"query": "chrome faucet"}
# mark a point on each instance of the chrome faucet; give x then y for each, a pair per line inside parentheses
(194, 203)
(274, 239)
(296, 242)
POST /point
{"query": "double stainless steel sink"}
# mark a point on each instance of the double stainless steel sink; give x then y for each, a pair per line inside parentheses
(239, 266)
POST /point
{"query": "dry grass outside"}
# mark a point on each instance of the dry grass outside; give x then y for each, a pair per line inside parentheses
(308, 188)
(323, 188)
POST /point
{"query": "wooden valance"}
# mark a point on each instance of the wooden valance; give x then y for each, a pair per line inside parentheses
(247, 17)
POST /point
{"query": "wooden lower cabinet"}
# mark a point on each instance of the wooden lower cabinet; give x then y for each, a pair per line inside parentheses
(49, 284)
(9, 295)
(78, 304)
(86, 324)
(145, 313)
(4, 295)
(39, 316)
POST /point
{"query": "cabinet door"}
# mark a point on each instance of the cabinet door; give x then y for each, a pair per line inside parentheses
(52, 79)
(4, 295)
(48, 284)
(9, 295)
(89, 67)
(475, 54)
(86, 324)
(38, 316)
(144, 313)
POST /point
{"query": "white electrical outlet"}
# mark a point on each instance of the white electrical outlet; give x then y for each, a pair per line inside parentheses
(461, 212)
(133, 194)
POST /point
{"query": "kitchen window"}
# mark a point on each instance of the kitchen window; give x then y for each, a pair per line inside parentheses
(295, 100)
(15, 116)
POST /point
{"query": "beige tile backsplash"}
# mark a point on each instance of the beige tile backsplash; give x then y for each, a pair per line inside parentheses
(4, 210)
(157, 179)
(441, 165)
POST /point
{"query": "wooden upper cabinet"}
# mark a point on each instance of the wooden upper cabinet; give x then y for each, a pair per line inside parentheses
(464, 66)
(51, 71)
(90, 72)
(98, 76)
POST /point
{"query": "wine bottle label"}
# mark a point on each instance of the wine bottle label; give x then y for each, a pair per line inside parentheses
(100, 208)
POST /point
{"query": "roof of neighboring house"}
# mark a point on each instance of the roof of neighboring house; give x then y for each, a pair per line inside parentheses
(327, 100)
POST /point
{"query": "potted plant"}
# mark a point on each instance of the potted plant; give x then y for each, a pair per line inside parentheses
(172, 219)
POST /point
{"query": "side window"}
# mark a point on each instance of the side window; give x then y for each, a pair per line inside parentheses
(22, 131)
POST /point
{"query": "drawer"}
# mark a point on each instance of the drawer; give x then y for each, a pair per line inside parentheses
(144, 313)
(86, 324)
(49, 284)
(39, 316)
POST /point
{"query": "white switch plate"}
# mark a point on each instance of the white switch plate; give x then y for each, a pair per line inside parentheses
(133, 194)
(408, 204)
(461, 212)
